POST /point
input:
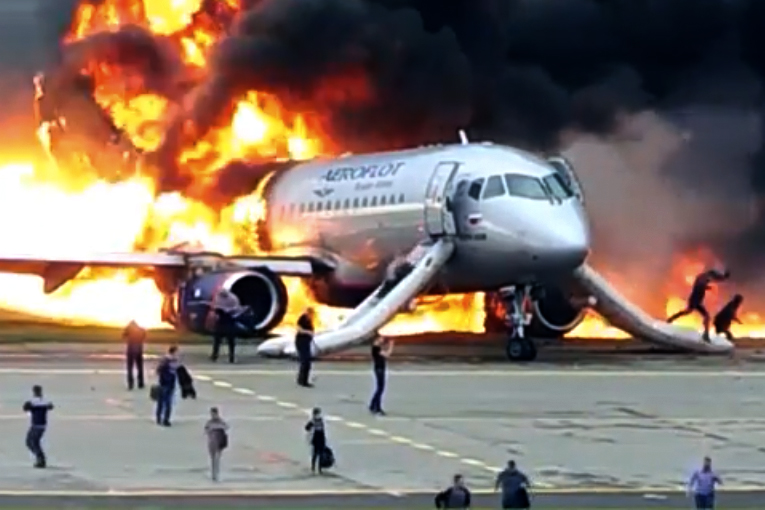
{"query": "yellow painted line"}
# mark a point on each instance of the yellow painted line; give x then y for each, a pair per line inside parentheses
(423, 446)
(287, 405)
(400, 439)
(244, 391)
(377, 432)
(355, 425)
(222, 384)
(448, 455)
(346, 492)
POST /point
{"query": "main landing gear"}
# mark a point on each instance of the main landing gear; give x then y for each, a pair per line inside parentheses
(518, 348)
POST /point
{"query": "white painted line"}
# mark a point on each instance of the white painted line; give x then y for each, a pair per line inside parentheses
(473, 462)
(201, 377)
(377, 432)
(400, 439)
(332, 417)
(265, 398)
(287, 405)
(355, 425)
(422, 446)
(222, 384)
(448, 455)
(357, 492)
(244, 391)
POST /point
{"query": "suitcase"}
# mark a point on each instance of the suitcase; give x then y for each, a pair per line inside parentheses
(186, 382)
(154, 392)
(327, 458)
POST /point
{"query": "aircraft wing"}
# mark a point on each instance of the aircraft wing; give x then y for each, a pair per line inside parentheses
(56, 270)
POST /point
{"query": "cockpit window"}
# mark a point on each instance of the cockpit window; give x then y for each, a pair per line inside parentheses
(475, 189)
(525, 186)
(558, 187)
(494, 187)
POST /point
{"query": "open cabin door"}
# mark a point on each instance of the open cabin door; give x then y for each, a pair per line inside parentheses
(566, 170)
(439, 217)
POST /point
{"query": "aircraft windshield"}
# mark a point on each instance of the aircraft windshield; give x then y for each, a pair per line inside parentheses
(558, 186)
(526, 187)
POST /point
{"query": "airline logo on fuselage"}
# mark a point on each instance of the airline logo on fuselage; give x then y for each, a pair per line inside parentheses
(355, 173)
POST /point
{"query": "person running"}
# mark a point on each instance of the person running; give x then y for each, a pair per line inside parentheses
(701, 285)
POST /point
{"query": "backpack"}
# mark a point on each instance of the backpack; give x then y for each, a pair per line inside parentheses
(222, 439)
(327, 458)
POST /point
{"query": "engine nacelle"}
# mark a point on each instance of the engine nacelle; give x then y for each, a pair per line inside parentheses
(554, 314)
(260, 289)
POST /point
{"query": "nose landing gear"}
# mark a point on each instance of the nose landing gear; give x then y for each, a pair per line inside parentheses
(518, 348)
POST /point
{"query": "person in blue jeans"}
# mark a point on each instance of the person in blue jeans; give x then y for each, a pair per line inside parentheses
(703, 483)
(167, 374)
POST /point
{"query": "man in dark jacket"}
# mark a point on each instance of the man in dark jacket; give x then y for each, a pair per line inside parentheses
(456, 496)
(304, 346)
(167, 375)
(318, 438)
(134, 337)
(514, 486)
(38, 409)
(701, 285)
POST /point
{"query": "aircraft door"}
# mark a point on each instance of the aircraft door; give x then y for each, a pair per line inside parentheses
(439, 215)
(566, 170)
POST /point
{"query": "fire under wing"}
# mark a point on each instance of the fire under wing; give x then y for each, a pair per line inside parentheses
(58, 270)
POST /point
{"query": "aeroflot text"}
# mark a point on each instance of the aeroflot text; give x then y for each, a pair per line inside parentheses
(362, 172)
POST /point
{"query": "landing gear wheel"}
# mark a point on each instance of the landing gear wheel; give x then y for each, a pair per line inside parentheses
(520, 350)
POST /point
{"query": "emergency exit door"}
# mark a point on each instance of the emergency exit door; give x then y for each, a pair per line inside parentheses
(439, 217)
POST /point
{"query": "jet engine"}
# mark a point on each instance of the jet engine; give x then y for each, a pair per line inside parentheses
(554, 314)
(259, 289)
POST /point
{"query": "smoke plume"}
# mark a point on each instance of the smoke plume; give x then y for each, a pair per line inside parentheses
(659, 103)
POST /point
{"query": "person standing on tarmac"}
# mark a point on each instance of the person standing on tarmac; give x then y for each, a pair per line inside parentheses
(166, 373)
(381, 351)
(304, 345)
(217, 440)
(702, 484)
(134, 337)
(456, 496)
(226, 307)
(38, 409)
(515, 486)
(695, 303)
(317, 437)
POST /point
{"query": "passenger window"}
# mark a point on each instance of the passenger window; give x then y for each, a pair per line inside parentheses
(364, 202)
(302, 208)
(462, 188)
(310, 207)
(319, 206)
(392, 199)
(525, 187)
(383, 199)
(347, 204)
(401, 198)
(558, 187)
(494, 187)
(373, 202)
(475, 189)
(338, 205)
(355, 203)
(292, 209)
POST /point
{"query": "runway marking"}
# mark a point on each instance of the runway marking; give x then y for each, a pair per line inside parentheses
(552, 372)
(598, 490)
(390, 438)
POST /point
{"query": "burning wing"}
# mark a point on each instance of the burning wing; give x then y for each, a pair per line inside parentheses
(57, 270)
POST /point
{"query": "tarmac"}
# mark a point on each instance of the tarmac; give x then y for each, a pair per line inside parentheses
(596, 436)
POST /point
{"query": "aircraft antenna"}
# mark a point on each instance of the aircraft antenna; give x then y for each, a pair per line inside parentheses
(463, 137)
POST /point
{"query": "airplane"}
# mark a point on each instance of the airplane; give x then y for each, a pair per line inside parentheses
(470, 216)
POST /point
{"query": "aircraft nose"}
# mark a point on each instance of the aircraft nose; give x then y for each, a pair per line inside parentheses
(572, 244)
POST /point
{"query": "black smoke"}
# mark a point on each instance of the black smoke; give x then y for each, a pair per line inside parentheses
(384, 74)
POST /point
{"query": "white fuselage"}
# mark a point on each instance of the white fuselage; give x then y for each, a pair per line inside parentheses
(359, 212)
